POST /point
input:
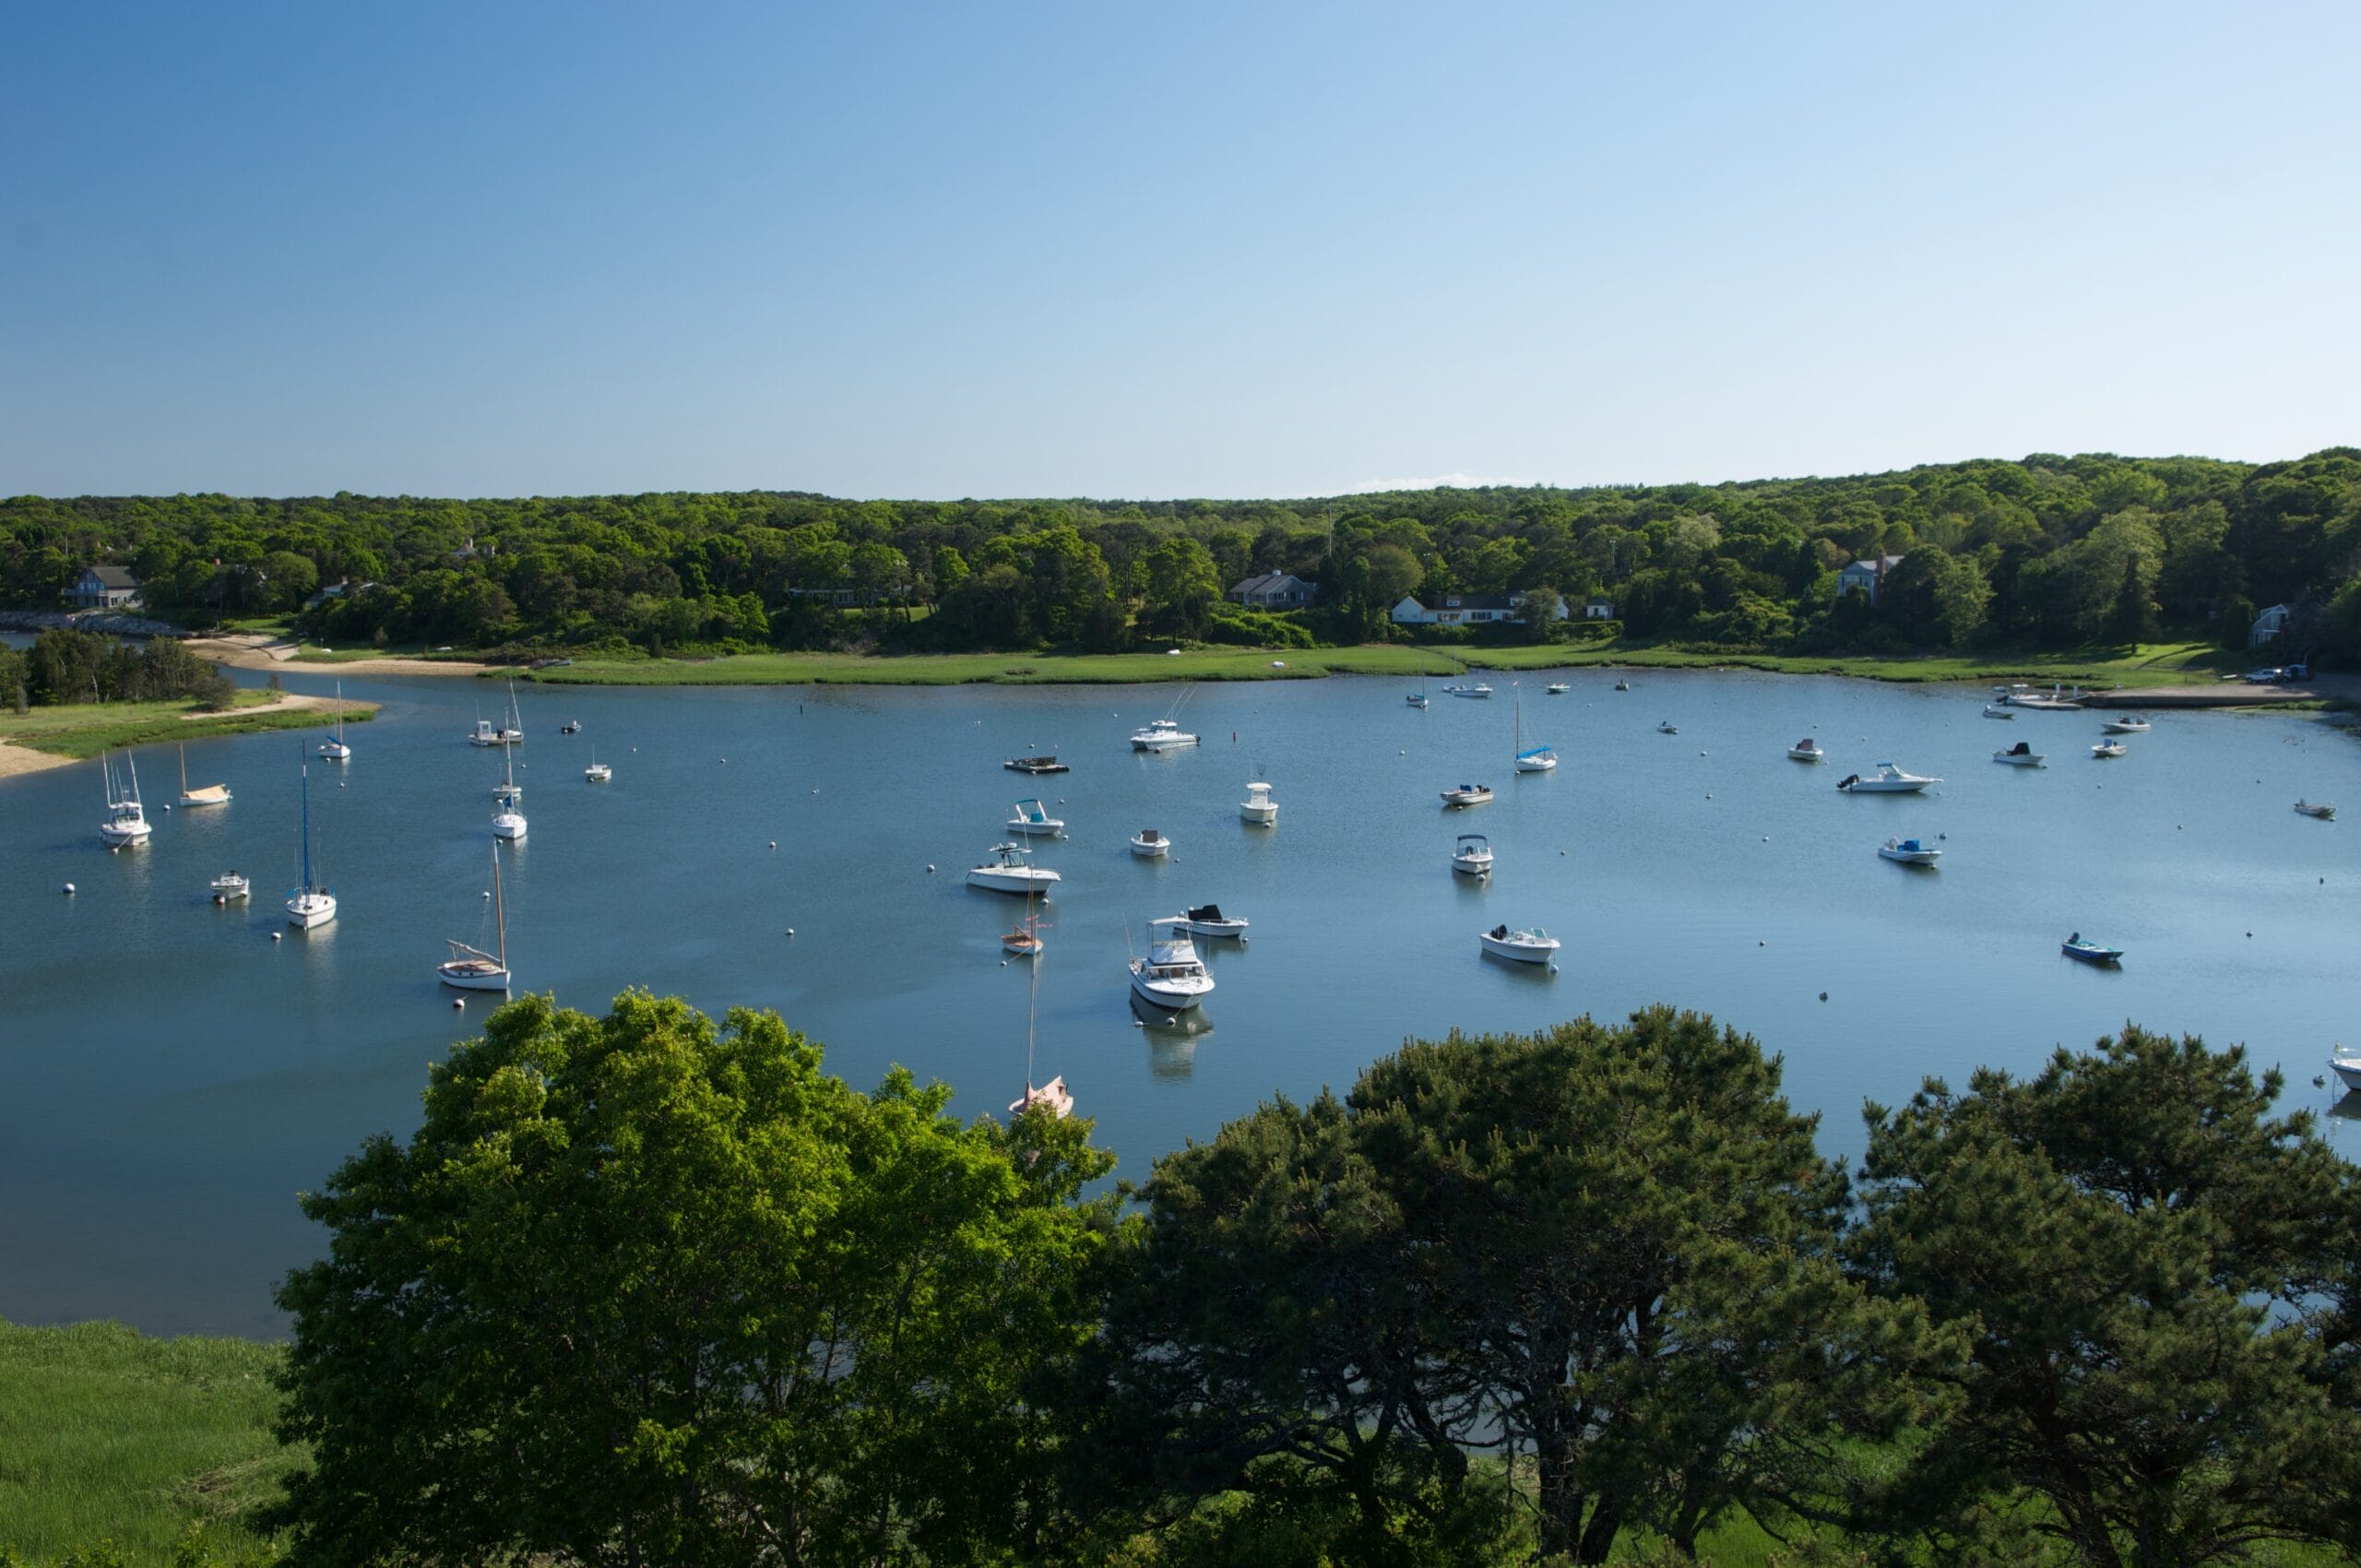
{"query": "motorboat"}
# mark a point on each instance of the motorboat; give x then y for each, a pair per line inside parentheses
(1206, 920)
(1467, 795)
(1667, 728)
(1993, 710)
(1032, 819)
(126, 820)
(1008, 871)
(1528, 759)
(487, 733)
(1533, 945)
(1150, 845)
(1050, 1097)
(1036, 765)
(571, 726)
(311, 905)
(597, 772)
(2057, 701)
(1558, 688)
(472, 969)
(1623, 685)
(2105, 749)
(1172, 977)
(230, 887)
(2075, 946)
(1472, 855)
(1909, 852)
(2020, 756)
(1478, 691)
(508, 822)
(2126, 725)
(205, 795)
(1161, 735)
(1887, 780)
(1258, 807)
(2319, 809)
(335, 750)
(2346, 1066)
(1808, 750)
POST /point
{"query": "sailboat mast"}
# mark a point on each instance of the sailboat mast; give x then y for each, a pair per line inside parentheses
(499, 912)
(184, 770)
(307, 827)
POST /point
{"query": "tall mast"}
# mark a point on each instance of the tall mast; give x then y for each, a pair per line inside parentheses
(307, 827)
(499, 913)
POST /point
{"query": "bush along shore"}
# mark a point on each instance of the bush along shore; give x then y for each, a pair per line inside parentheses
(654, 1287)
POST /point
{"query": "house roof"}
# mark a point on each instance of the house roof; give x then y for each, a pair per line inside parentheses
(1467, 601)
(1265, 581)
(113, 577)
(1882, 564)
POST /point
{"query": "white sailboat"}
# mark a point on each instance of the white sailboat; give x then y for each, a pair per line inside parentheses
(209, 795)
(1538, 759)
(1418, 698)
(597, 772)
(126, 820)
(336, 750)
(508, 822)
(1050, 1097)
(472, 969)
(310, 905)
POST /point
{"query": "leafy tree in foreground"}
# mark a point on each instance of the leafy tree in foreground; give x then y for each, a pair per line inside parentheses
(644, 1291)
(2140, 1250)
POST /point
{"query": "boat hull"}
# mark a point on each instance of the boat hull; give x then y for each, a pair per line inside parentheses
(2349, 1072)
(1536, 764)
(2099, 957)
(1214, 927)
(1911, 857)
(1885, 787)
(118, 838)
(1167, 996)
(1807, 756)
(1260, 816)
(509, 827)
(1520, 952)
(211, 795)
(467, 977)
(996, 879)
(1154, 852)
(309, 911)
(2011, 759)
(1472, 868)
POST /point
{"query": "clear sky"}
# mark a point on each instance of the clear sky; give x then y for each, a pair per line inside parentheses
(1130, 249)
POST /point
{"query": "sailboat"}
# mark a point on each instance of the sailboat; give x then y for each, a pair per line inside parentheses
(1538, 759)
(1050, 1097)
(336, 750)
(1418, 698)
(126, 820)
(472, 969)
(210, 795)
(311, 905)
(508, 822)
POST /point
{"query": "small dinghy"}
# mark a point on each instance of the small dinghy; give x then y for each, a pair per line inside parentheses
(2020, 756)
(571, 726)
(2075, 946)
(1036, 765)
(1150, 845)
(1025, 940)
(1667, 728)
(1530, 947)
(1206, 920)
(1623, 685)
(1807, 750)
(1909, 852)
(2319, 809)
(1993, 710)
(1032, 819)
(2126, 725)
(2105, 749)
(1467, 795)
(1558, 688)
(1472, 856)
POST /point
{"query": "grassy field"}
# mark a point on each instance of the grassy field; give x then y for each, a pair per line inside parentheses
(84, 730)
(106, 1433)
(2151, 664)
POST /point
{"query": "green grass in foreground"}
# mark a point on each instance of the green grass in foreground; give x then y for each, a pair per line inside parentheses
(84, 730)
(105, 1433)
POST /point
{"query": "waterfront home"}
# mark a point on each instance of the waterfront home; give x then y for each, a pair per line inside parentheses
(1275, 590)
(1467, 610)
(2268, 626)
(1599, 610)
(1866, 577)
(106, 587)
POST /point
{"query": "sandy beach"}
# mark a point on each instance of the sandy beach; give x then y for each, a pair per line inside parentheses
(256, 652)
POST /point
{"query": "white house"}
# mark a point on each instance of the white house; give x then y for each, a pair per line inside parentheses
(2269, 624)
(1466, 609)
(1866, 577)
(1275, 590)
(1599, 610)
(106, 587)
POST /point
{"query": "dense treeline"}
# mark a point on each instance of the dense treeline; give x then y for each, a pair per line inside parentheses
(643, 1290)
(2047, 551)
(66, 666)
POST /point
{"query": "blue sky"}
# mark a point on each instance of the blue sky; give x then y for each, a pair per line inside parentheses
(1119, 249)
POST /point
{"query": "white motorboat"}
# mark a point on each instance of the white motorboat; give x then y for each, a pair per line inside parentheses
(1533, 945)
(2347, 1067)
(1623, 685)
(126, 821)
(508, 822)
(2099, 954)
(1034, 820)
(1993, 710)
(335, 750)
(472, 969)
(1472, 855)
(1258, 807)
(1467, 795)
(2319, 809)
(230, 887)
(597, 772)
(1206, 920)
(1558, 688)
(1150, 845)
(1808, 750)
(1162, 735)
(1528, 759)
(2105, 749)
(1478, 691)
(2021, 756)
(487, 733)
(205, 795)
(1172, 977)
(1667, 728)
(2126, 725)
(1887, 780)
(1909, 852)
(1008, 871)
(310, 905)
(2057, 701)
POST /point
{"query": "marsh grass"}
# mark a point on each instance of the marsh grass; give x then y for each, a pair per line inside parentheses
(84, 730)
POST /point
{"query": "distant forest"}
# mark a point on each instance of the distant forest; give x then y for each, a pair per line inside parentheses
(2047, 552)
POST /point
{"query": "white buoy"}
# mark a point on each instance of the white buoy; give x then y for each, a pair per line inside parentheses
(487, 892)
(773, 843)
(930, 867)
(276, 934)
(168, 805)
(69, 890)
(458, 1002)
(790, 930)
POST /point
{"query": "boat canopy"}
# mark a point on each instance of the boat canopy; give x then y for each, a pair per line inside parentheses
(1205, 913)
(2022, 748)
(1533, 751)
(1473, 838)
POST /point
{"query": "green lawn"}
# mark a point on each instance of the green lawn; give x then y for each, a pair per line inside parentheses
(107, 1433)
(84, 730)
(2150, 664)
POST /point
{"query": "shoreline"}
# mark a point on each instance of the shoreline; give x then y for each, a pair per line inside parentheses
(248, 651)
(17, 759)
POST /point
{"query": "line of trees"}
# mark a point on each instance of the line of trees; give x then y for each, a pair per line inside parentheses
(2047, 551)
(646, 1290)
(68, 666)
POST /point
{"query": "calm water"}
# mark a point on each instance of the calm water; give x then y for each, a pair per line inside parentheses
(170, 1076)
